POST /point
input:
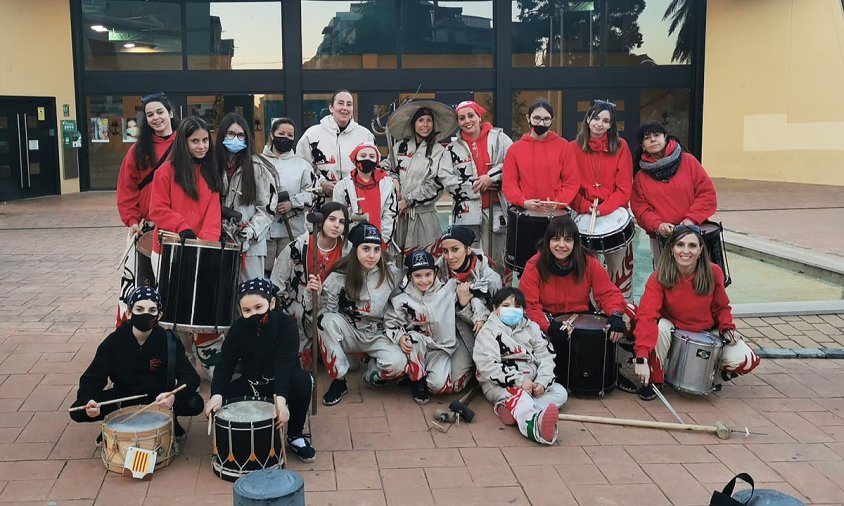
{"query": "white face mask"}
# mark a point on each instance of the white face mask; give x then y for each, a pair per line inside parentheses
(511, 316)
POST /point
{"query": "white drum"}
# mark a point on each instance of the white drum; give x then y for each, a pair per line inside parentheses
(610, 233)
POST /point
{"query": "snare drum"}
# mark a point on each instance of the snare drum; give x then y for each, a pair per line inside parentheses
(585, 363)
(144, 275)
(693, 361)
(245, 438)
(610, 233)
(150, 430)
(525, 230)
(198, 283)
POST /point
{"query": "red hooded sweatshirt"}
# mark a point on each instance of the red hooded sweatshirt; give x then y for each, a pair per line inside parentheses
(371, 194)
(132, 203)
(174, 211)
(683, 307)
(540, 169)
(563, 294)
(688, 194)
(480, 155)
(603, 175)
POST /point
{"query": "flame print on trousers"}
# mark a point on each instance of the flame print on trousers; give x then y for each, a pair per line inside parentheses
(750, 362)
(415, 368)
(330, 364)
(622, 275)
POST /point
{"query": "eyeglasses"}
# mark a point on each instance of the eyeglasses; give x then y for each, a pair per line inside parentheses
(691, 228)
(154, 97)
(604, 102)
(231, 135)
(536, 120)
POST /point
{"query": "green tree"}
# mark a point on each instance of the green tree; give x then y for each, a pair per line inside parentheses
(683, 20)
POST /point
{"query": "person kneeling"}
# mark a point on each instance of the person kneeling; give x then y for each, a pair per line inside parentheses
(516, 369)
(265, 343)
(421, 320)
(685, 291)
(140, 358)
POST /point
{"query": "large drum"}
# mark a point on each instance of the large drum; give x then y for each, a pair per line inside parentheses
(198, 283)
(144, 275)
(150, 430)
(693, 361)
(585, 363)
(713, 241)
(245, 438)
(525, 230)
(610, 233)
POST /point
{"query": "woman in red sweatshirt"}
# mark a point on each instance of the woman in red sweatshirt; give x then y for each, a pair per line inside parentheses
(539, 172)
(605, 168)
(670, 186)
(685, 291)
(560, 279)
(155, 140)
(186, 189)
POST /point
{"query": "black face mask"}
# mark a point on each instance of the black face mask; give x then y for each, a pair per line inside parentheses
(257, 320)
(282, 144)
(366, 166)
(540, 129)
(144, 322)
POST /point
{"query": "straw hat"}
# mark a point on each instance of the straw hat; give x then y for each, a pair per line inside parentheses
(445, 120)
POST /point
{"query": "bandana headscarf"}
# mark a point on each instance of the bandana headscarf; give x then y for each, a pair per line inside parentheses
(143, 293)
(480, 111)
(257, 286)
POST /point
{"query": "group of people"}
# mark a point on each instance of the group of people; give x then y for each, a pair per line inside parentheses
(387, 286)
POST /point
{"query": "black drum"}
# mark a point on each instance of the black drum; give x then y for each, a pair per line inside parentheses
(524, 232)
(245, 438)
(198, 283)
(713, 240)
(585, 363)
(144, 275)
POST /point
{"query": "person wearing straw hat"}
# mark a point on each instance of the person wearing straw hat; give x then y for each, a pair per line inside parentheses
(140, 357)
(422, 168)
(477, 156)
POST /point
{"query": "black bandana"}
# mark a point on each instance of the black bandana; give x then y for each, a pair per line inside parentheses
(143, 293)
(257, 286)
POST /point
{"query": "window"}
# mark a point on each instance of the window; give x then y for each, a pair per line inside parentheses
(538, 41)
(259, 110)
(670, 107)
(349, 35)
(447, 34)
(109, 134)
(225, 36)
(132, 35)
(315, 107)
(640, 32)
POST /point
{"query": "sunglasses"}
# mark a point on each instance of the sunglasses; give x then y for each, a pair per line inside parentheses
(691, 228)
(154, 97)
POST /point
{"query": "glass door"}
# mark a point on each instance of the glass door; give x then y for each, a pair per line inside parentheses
(29, 165)
(578, 102)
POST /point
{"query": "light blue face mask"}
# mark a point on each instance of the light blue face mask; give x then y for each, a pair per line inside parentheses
(234, 145)
(510, 316)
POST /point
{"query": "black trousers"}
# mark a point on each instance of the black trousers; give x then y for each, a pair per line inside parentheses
(186, 404)
(298, 397)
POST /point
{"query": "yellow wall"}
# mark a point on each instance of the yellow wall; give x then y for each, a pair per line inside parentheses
(37, 58)
(774, 90)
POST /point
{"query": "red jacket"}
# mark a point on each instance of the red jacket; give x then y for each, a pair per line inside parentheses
(174, 211)
(540, 169)
(689, 194)
(683, 307)
(133, 204)
(613, 171)
(562, 294)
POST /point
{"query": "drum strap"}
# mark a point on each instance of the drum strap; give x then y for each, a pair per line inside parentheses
(170, 336)
(147, 180)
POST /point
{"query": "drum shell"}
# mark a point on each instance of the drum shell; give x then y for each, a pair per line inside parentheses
(610, 241)
(524, 233)
(585, 363)
(230, 462)
(693, 361)
(198, 282)
(115, 443)
(144, 275)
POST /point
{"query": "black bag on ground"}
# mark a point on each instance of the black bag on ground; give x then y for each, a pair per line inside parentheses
(752, 497)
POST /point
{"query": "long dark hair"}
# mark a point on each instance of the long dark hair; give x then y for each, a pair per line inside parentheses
(648, 128)
(248, 187)
(612, 134)
(144, 149)
(667, 272)
(183, 162)
(431, 139)
(350, 267)
(329, 208)
(562, 226)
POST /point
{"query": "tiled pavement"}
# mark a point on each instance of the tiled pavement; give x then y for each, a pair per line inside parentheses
(56, 304)
(793, 332)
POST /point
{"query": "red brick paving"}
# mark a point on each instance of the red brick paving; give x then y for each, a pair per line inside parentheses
(56, 288)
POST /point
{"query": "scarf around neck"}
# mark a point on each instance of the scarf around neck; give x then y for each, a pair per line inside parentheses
(664, 168)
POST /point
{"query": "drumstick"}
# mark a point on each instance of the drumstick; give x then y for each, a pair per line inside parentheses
(106, 403)
(594, 215)
(210, 421)
(282, 431)
(151, 404)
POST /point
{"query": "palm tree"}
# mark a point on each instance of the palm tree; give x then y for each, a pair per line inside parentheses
(683, 17)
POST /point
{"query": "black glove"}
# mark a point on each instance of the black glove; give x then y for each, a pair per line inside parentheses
(556, 331)
(617, 323)
(187, 234)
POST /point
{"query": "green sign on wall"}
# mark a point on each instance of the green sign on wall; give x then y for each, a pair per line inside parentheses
(70, 135)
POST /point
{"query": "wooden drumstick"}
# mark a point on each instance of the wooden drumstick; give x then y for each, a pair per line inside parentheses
(210, 422)
(594, 216)
(151, 404)
(106, 403)
(282, 432)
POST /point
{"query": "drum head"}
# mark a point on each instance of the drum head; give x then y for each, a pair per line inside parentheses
(586, 321)
(701, 338)
(247, 411)
(604, 225)
(148, 420)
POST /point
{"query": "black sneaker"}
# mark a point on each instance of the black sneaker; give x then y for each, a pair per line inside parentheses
(419, 390)
(178, 429)
(301, 446)
(99, 441)
(646, 393)
(728, 376)
(335, 393)
(625, 385)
